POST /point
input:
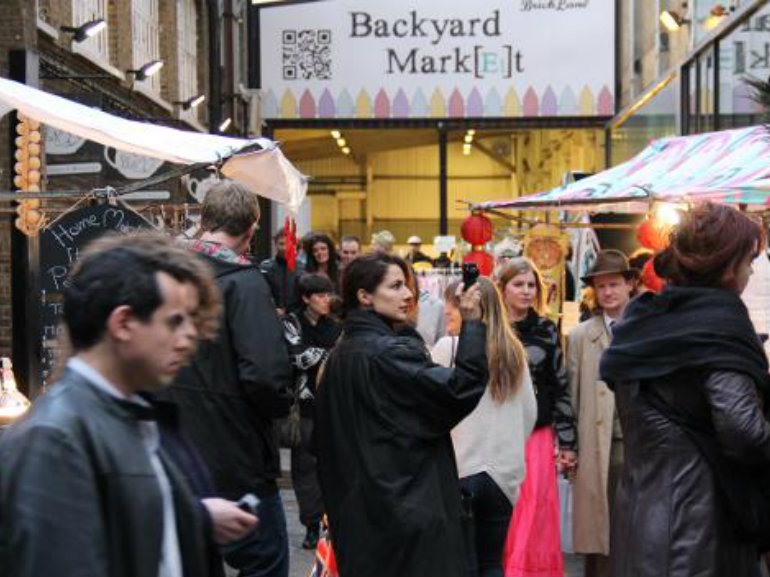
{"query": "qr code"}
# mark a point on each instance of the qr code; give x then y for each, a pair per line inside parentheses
(307, 54)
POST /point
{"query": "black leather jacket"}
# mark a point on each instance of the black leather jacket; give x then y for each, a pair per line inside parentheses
(386, 464)
(78, 494)
(670, 516)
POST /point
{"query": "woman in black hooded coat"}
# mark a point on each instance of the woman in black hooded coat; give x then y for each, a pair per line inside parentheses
(690, 376)
(384, 412)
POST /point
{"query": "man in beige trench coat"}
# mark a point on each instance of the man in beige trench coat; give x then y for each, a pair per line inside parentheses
(599, 435)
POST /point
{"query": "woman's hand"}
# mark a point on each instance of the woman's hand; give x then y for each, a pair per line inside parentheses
(229, 521)
(470, 303)
(567, 463)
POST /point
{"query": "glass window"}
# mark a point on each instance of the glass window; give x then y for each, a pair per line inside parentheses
(706, 92)
(745, 53)
(656, 119)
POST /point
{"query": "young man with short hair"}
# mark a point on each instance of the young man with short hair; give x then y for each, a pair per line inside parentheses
(85, 486)
(239, 381)
(350, 248)
(600, 439)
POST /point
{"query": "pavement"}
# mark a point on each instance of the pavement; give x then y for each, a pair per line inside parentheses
(301, 561)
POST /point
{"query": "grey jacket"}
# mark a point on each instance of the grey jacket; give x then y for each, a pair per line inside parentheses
(78, 495)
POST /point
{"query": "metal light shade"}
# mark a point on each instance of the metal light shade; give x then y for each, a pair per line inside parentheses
(13, 404)
(671, 20)
(85, 31)
(149, 69)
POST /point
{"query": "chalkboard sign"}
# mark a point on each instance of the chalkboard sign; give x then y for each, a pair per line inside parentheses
(60, 246)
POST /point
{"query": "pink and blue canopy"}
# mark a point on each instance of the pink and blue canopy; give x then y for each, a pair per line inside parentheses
(732, 166)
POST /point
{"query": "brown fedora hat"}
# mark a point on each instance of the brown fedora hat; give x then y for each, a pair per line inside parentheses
(610, 261)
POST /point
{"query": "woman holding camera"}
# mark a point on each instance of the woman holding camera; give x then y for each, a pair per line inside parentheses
(384, 412)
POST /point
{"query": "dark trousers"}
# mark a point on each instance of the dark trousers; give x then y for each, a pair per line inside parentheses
(264, 552)
(490, 515)
(304, 477)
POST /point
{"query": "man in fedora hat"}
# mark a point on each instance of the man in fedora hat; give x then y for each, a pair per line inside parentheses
(599, 434)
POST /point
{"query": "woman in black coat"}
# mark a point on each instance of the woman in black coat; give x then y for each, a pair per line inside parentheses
(690, 378)
(384, 411)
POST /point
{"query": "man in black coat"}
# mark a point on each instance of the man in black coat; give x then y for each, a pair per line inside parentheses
(281, 279)
(239, 381)
(86, 488)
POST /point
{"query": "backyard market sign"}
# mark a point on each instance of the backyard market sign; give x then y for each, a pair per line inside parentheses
(432, 59)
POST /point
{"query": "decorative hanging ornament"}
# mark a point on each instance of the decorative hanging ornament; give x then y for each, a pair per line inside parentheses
(477, 229)
(483, 260)
(651, 280)
(652, 235)
(290, 235)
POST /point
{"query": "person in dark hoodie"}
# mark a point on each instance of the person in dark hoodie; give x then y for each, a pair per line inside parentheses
(238, 382)
(691, 379)
(384, 412)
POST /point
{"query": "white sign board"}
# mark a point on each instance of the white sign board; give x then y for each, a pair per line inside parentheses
(433, 59)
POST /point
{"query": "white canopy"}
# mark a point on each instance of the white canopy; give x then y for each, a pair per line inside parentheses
(266, 172)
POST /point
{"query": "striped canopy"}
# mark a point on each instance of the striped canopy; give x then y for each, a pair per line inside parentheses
(732, 166)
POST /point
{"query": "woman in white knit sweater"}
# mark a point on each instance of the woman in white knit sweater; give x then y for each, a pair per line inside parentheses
(489, 443)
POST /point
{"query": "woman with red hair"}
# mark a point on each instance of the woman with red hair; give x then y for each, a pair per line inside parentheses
(690, 379)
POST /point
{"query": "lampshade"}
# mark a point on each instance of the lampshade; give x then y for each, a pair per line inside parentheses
(13, 404)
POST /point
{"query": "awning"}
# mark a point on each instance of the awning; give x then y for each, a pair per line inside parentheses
(266, 171)
(732, 166)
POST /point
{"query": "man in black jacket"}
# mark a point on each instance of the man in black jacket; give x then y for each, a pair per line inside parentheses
(281, 279)
(239, 381)
(86, 488)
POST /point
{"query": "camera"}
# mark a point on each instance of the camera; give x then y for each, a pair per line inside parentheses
(470, 275)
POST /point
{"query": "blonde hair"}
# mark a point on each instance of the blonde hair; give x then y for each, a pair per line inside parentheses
(506, 357)
(521, 265)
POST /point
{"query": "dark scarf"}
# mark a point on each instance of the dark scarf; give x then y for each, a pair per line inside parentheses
(685, 328)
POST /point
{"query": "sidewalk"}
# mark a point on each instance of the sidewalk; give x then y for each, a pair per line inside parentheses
(301, 560)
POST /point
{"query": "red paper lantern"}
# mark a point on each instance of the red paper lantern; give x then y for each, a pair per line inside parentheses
(651, 280)
(484, 261)
(651, 236)
(476, 229)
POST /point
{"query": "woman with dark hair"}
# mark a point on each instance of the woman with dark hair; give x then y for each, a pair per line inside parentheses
(533, 547)
(384, 411)
(310, 335)
(322, 258)
(690, 380)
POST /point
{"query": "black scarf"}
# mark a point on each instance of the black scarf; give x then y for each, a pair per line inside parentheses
(685, 328)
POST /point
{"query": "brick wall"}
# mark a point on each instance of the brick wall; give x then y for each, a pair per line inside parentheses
(18, 30)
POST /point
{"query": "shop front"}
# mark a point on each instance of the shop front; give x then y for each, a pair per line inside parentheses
(399, 113)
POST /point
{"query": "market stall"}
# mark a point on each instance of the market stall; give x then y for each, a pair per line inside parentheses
(731, 167)
(66, 220)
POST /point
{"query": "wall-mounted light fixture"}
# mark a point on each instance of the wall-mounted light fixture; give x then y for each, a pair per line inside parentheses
(716, 15)
(192, 102)
(672, 20)
(225, 124)
(149, 69)
(85, 31)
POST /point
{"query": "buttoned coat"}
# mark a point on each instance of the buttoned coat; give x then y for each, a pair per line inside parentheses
(594, 407)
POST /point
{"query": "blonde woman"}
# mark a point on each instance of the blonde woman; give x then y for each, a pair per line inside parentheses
(489, 443)
(533, 547)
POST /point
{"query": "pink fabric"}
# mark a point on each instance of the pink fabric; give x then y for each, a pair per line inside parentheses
(533, 545)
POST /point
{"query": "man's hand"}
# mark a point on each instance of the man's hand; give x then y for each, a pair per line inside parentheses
(230, 522)
(567, 463)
